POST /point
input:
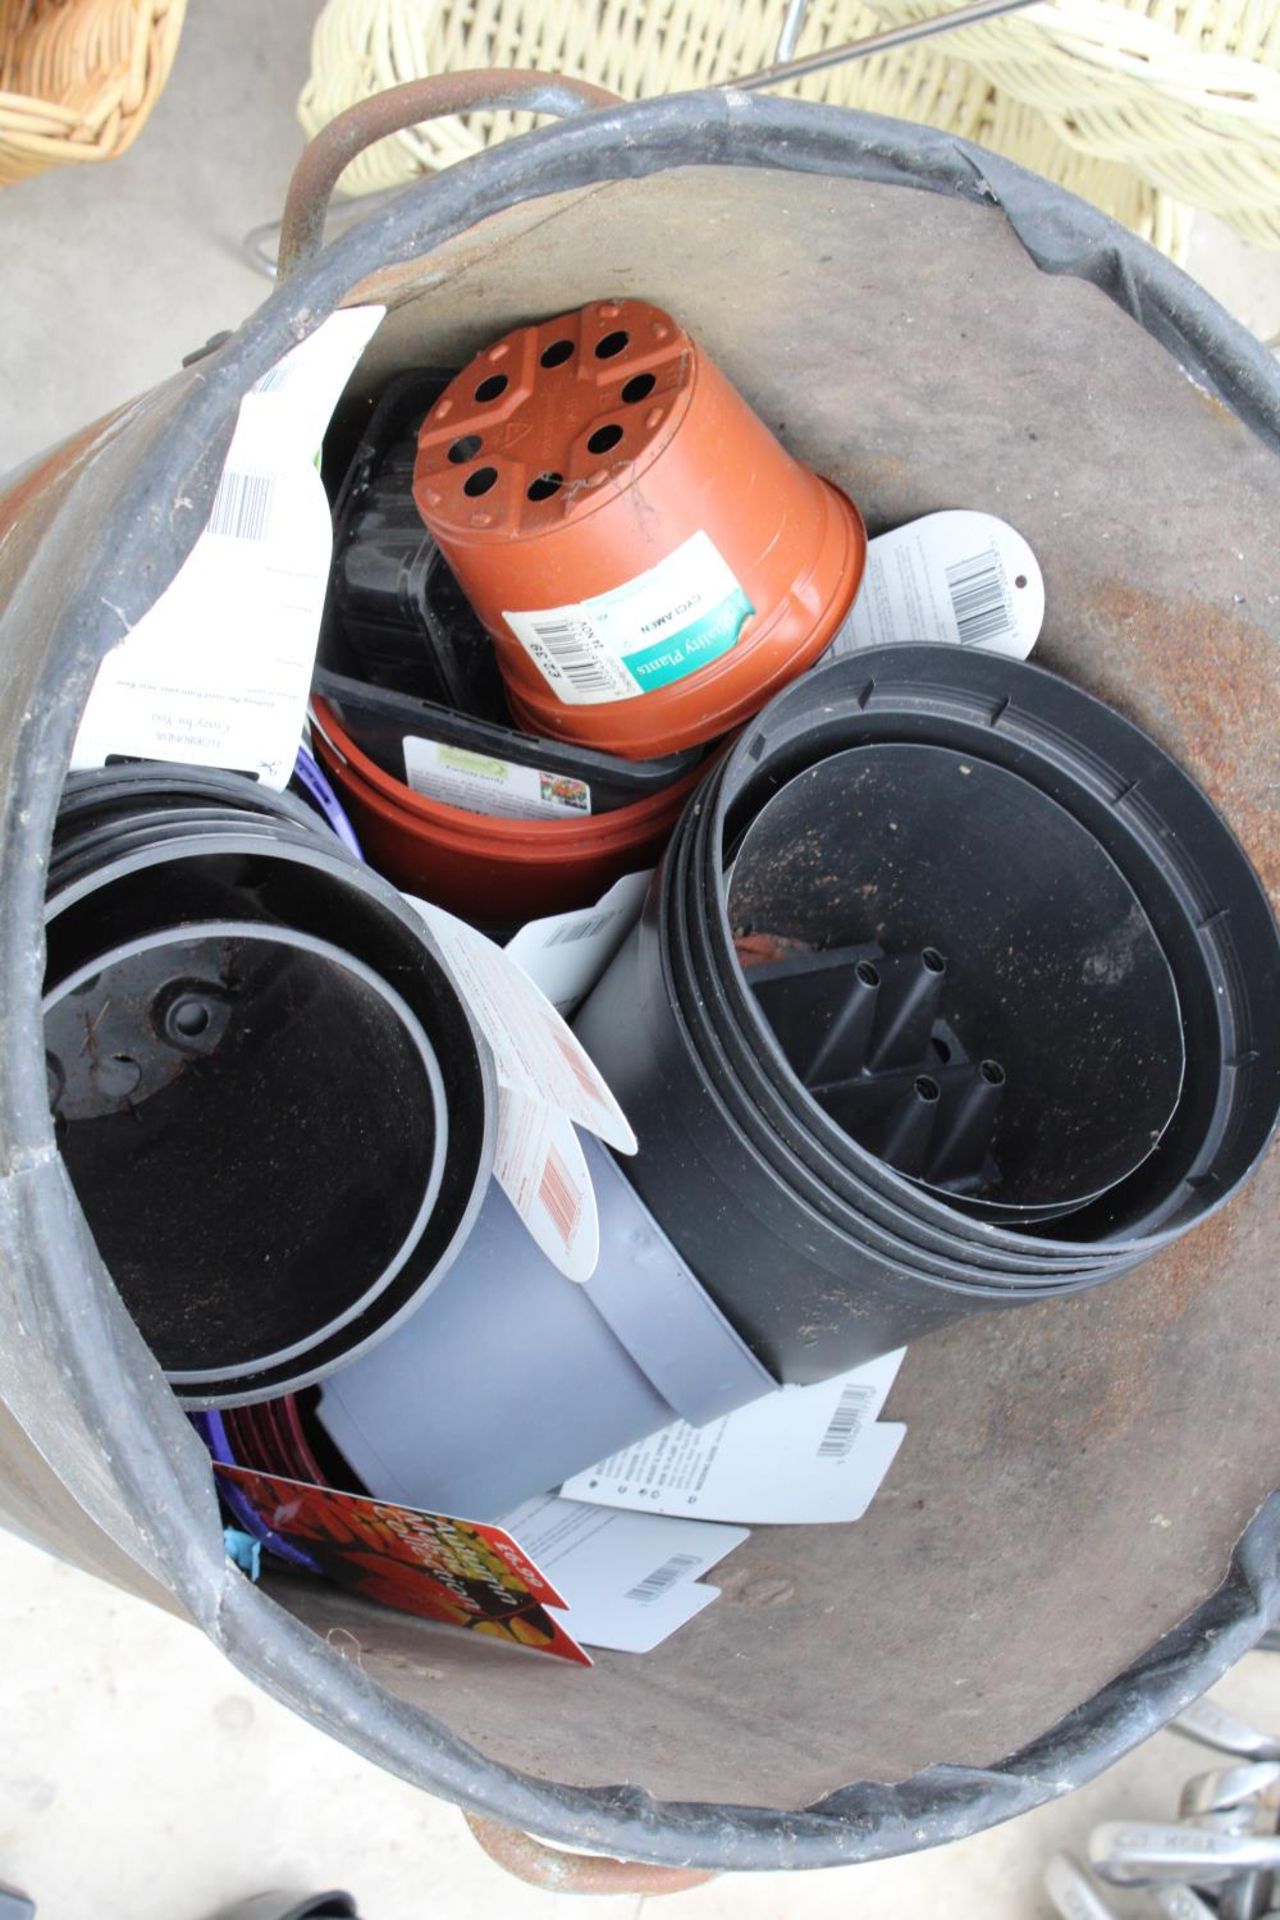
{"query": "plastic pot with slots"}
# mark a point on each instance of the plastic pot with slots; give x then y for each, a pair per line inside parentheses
(923, 1019)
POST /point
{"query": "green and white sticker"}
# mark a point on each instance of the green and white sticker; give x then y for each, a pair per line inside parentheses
(660, 627)
(480, 783)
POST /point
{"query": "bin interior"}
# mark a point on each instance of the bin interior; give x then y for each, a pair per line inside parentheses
(1074, 1475)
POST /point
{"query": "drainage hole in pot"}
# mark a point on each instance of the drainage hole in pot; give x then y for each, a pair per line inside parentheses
(603, 438)
(557, 353)
(545, 485)
(611, 345)
(933, 960)
(465, 449)
(868, 973)
(992, 1072)
(490, 389)
(480, 481)
(927, 1088)
(639, 388)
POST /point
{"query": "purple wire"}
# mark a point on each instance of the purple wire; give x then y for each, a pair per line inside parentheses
(212, 1430)
(318, 791)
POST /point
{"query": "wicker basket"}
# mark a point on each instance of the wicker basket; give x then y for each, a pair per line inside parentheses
(79, 77)
(640, 47)
(1186, 92)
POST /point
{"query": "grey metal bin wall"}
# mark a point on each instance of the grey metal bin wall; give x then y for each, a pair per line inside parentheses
(1076, 1536)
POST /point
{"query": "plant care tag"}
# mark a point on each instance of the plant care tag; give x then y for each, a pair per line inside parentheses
(479, 783)
(547, 1083)
(803, 1455)
(659, 627)
(959, 577)
(540, 1167)
(457, 1572)
(629, 1579)
(566, 954)
(217, 673)
(534, 1051)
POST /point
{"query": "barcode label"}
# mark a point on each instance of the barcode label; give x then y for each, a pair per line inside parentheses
(846, 1423)
(579, 1067)
(242, 505)
(559, 1196)
(980, 599)
(581, 929)
(571, 644)
(664, 1577)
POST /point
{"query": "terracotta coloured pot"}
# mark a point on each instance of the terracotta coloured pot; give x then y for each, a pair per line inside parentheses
(650, 560)
(498, 872)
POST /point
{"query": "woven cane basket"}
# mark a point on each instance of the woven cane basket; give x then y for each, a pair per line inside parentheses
(78, 78)
(642, 47)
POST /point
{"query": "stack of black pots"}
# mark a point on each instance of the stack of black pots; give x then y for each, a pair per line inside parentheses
(953, 992)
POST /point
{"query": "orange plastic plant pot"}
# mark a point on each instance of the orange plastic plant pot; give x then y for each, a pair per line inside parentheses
(651, 562)
(498, 872)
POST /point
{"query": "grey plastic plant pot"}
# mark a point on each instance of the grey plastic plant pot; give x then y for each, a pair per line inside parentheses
(571, 1373)
(1071, 1543)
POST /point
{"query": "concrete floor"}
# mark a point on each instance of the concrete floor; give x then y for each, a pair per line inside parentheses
(139, 1775)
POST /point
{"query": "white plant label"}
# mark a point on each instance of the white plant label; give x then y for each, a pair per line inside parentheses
(656, 628)
(567, 953)
(501, 789)
(547, 1084)
(962, 578)
(217, 673)
(804, 1455)
(629, 1580)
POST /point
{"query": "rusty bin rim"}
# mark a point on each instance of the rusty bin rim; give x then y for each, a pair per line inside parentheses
(158, 515)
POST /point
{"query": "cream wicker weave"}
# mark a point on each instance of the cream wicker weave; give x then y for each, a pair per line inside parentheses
(640, 47)
(78, 78)
(1186, 92)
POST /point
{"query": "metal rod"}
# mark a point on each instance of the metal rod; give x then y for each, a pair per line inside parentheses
(336, 145)
(792, 27)
(901, 36)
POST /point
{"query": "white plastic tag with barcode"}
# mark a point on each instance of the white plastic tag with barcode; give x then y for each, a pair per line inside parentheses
(547, 1083)
(659, 627)
(629, 1580)
(805, 1455)
(217, 672)
(533, 1050)
(957, 577)
(501, 789)
(566, 953)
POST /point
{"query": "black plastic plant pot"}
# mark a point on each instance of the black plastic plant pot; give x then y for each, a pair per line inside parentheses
(1188, 873)
(746, 1056)
(810, 1294)
(395, 616)
(986, 1007)
(772, 1136)
(270, 1097)
(947, 961)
